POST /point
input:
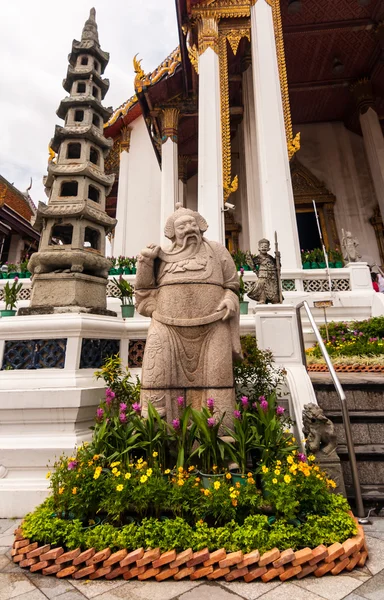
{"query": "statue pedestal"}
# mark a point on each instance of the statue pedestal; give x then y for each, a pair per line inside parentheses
(332, 466)
(48, 405)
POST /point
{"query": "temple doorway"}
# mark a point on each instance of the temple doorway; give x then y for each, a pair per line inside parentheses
(309, 237)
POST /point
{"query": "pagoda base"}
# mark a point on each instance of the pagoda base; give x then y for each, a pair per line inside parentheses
(54, 293)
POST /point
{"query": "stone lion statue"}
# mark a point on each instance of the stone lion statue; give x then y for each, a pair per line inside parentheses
(319, 430)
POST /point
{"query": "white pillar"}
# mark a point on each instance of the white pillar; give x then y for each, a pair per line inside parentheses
(253, 214)
(374, 147)
(277, 203)
(121, 229)
(210, 169)
(169, 166)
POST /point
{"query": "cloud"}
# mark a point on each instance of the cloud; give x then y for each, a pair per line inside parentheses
(35, 40)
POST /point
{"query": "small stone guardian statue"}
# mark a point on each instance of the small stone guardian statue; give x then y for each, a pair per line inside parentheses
(349, 245)
(190, 292)
(267, 288)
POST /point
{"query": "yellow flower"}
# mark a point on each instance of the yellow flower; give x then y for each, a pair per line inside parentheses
(96, 457)
(278, 462)
(74, 491)
(228, 476)
(48, 475)
(249, 474)
(311, 457)
(250, 481)
(293, 439)
(332, 483)
(155, 454)
(191, 468)
(115, 464)
(290, 460)
(117, 474)
(214, 468)
(119, 488)
(97, 472)
(231, 489)
(180, 482)
(287, 478)
(264, 469)
(90, 463)
(274, 480)
(217, 485)
(237, 484)
(143, 479)
(127, 476)
(206, 492)
(139, 461)
(180, 469)
(234, 502)
(167, 471)
(149, 472)
(198, 479)
(61, 490)
(233, 495)
(114, 470)
(277, 471)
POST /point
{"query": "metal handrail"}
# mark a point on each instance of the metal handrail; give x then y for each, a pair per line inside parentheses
(342, 397)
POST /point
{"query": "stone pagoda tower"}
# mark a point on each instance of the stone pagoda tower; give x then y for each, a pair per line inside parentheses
(70, 269)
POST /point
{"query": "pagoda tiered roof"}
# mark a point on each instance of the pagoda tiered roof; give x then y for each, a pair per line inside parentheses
(81, 100)
(84, 72)
(87, 132)
(87, 169)
(73, 209)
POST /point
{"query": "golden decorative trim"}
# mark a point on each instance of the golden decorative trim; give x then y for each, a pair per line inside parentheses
(193, 57)
(235, 35)
(183, 162)
(122, 110)
(269, 2)
(222, 9)
(208, 34)
(225, 116)
(112, 161)
(169, 124)
(125, 141)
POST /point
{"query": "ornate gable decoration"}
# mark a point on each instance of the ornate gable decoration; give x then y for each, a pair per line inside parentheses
(306, 187)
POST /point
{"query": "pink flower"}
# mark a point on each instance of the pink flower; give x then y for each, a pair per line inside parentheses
(137, 408)
(110, 393)
(264, 405)
(210, 404)
(211, 422)
(176, 423)
(241, 271)
(16, 279)
(301, 457)
(280, 410)
(237, 414)
(108, 401)
(244, 401)
(261, 398)
(122, 417)
(180, 401)
(99, 413)
(72, 465)
(123, 406)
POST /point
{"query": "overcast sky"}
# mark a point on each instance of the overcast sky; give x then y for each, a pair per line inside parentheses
(35, 40)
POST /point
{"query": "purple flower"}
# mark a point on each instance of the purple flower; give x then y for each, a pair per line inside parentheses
(180, 401)
(210, 404)
(254, 405)
(236, 414)
(137, 408)
(100, 413)
(123, 406)
(72, 465)
(110, 393)
(301, 457)
(244, 401)
(280, 410)
(211, 422)
(108, 401)
(261, 398)
(16, 279)
(361, 333)
(264, 405)
(123, 417)
(176, 423)
(241, 271)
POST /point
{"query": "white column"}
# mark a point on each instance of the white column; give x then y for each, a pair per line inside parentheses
(210, 169)
(275, 187)
(374, 147)
(253, 213)
(169, 167)
(121, 229)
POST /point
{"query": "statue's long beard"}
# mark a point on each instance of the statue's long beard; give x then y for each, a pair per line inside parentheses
(190, 246)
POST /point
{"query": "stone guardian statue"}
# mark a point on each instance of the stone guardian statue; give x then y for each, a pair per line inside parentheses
(190, 291)
(350, 245)
(266, 289)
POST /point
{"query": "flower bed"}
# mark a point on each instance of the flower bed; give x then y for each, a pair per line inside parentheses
(142, 564)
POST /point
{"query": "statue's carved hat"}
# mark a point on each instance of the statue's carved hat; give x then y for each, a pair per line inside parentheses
(169, 229)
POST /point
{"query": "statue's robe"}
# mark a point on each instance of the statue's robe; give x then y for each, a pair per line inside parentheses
(190, 349)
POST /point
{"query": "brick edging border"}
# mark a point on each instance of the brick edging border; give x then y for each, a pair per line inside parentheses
(320, 368)
(145, 564)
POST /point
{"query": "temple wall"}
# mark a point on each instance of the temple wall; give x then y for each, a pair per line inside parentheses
(138, 223)
(337, 157)
(192, 193)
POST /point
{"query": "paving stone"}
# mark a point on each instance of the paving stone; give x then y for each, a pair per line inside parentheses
(376, 554)
(206, 592)
(70, 595)
(164, 590)
(290, 591)
(13, 585)
(251, 591)
(90, 589)
(374, 588)
(33, 595)
(331, 588)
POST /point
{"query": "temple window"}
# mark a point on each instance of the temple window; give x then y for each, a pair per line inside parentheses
(74, 150)
(94, 156)
(93, 193)
(84, 60)
(96, 120)
(97, 66)
(81, 88)
(61, 235)
(91, 238)
(69, 188)
(95, 91)
(79, 116)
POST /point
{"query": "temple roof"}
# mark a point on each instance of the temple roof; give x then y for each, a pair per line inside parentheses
(20, 202)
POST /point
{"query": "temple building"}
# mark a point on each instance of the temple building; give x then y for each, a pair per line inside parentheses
(18, 239)
(266, 105)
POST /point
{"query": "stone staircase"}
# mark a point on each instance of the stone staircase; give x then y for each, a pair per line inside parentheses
(365, 399)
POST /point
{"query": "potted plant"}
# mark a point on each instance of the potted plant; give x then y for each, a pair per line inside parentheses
(12, 271)
(24, 273)
(337, 258)
(245, 439)
(305, 259)
(121, 263)
(126, 292)
(113, 270)
(243, 303)
(211, 448)
(11, 293)
(133, 264)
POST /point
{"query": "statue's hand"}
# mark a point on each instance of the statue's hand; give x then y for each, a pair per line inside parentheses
(151, 251)
(229, 305)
